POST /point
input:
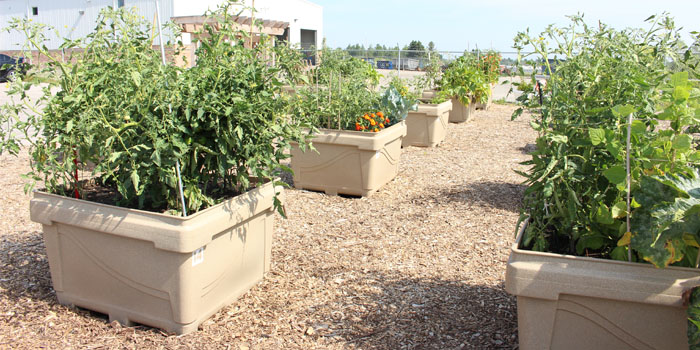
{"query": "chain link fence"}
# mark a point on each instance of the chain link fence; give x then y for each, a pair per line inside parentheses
(417, 60)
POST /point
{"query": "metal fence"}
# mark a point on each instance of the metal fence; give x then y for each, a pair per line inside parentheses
(414, 60)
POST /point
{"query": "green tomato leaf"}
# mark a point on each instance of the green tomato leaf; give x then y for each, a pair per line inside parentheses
(135, 180)
(619, 210)
(136, 78)
(592, 241)
(679, 79)
(638, 127)
(597, 136)
(623, 110)
(682, 142)
(616, 175)
(619, 253)
(603, 215)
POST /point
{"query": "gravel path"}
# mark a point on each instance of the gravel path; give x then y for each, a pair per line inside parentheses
(428, 273)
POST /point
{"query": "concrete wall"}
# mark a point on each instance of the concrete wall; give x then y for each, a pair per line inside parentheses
(71, 18)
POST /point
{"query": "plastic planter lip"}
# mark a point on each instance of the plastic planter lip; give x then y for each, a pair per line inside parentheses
(156, 269)
(573, 302)
(349, 162)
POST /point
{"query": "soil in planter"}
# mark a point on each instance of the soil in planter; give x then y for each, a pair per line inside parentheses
(94, 191)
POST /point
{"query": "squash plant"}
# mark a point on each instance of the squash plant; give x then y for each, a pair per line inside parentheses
(129, 120)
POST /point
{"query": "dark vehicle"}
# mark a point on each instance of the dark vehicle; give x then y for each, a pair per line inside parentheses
(10, 66)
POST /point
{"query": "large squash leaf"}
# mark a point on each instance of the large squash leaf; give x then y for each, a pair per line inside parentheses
(670, 209)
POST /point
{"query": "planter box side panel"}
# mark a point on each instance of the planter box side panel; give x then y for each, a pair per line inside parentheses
(133, 281)
(575, 322)
(334, 169)
(424, 129)
(569, 302)
(380, 167)
(461, 113)
(345, 169)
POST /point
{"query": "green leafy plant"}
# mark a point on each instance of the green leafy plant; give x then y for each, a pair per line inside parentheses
(576, 183)
(614, 123)
(345, 96)
(489, 63)
(119, 109)
(465, 80)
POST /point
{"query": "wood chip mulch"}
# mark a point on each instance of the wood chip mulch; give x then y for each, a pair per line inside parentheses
(418, 265)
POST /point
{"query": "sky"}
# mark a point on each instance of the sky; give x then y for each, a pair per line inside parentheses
(455, 25)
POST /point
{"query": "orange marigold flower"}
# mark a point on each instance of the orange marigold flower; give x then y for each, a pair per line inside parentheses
(380, 114)
(381, 125)
(387, 121)
(366, 117)
(373, 115)
(375, 130)
(372, 122)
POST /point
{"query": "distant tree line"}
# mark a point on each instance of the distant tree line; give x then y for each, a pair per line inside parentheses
(415, 49)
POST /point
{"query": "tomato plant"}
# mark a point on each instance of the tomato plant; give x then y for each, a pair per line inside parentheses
(134, 119)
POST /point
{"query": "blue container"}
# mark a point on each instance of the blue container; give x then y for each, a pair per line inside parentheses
(385, 64)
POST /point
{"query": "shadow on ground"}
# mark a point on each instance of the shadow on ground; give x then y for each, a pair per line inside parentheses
(25, 269)
(422, 313)
(496, 195)
(528, 149)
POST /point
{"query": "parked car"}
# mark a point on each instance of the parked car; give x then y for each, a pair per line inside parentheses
(10, 66)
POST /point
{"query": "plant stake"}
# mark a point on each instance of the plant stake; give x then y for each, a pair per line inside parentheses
(629, 229)
(170, 110)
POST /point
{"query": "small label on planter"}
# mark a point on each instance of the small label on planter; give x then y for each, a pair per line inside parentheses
(198, 256)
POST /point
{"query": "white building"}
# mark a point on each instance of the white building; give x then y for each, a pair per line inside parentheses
(77, 18)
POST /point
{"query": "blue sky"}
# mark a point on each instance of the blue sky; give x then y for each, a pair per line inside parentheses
(454, 24)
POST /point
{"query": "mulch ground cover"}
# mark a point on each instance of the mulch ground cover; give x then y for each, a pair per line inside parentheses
(418, 265)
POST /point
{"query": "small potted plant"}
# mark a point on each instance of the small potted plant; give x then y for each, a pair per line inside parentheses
(608, 255)
(357, 131)
(160, 187)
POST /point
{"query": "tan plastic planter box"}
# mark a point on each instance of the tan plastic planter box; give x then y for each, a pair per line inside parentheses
(155, 269)
(428, 94)
(461, 113)
(349, 162)
(427, 126)
(569, 302)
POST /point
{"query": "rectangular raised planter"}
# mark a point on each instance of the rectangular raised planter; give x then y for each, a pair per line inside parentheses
(571, 302)
(349, 162)
(461, 113)
(427, 126)
(428, 94)
(156, 269)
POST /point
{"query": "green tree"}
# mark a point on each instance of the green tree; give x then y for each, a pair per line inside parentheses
(416, 49)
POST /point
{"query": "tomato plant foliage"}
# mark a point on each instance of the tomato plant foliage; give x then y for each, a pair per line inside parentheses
(577, 180)
(128, 119)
